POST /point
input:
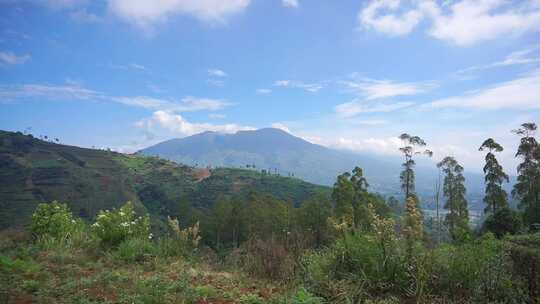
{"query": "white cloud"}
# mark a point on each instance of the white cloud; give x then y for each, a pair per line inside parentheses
(376, 89)
(216, 82)
(191, 103)
(309, 87)
(62, 4)
(355, 107)
(519, 94)
(389, 23)
(290, 3)
(281, 126)
(264, 91)
(13, 93)
(130, 66)
(74, 91)
(216, 116)
(12, 58)
(282, 83)
(217, 73)
(377, 145)
(471, 21)
(514, 58)
(187, 104)
(145, 13)
(179, 125)
(462, 23)
(83, 16)
(136, 66)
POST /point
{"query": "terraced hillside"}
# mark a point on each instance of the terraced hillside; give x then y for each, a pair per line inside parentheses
(34, 171)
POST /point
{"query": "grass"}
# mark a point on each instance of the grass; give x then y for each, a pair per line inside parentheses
(47, 273)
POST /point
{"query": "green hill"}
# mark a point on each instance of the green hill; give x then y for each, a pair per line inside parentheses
(34, 171)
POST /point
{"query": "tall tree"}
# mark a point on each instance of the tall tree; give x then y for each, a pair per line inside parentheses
(410, 147)
(454, 190)
(351, 196)
(527, 188)
(343, 196)
(361, 195)
(496, 197)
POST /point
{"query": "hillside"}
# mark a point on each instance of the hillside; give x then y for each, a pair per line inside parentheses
(274, 149)
(89, 180)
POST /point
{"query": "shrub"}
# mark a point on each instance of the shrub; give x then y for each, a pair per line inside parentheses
(268, 259)
(113, 227)
(134, 250)
(524, 254)
(303, 296)
(250, 298)
(504, 221)
(476, 269)
(52, 220)
(182, 242)
(356, 266)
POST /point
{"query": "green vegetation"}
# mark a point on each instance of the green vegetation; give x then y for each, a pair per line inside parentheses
(234, 236)
(88, 180)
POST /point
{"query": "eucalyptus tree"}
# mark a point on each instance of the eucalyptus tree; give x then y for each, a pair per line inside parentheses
(527, 188)
(343, 195)
(496, 197)
(412, 146)
(350, 194)
(454, 190)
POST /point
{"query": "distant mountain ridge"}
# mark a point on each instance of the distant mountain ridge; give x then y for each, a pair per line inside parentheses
(268, 149)
(275, 149)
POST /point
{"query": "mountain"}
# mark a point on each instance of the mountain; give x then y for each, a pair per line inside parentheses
(268, 149)
(89, 180)
(278, 151)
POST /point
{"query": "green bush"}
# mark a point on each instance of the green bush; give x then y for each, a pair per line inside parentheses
(180, 242)
(524, 255)
(250, 298)
(53, 220)
(303, 296)
(478, 270)
(135, 250)
(504, 221)
(113, 227)
(356, 265)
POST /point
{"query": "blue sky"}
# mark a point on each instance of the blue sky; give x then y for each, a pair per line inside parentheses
(352, 75)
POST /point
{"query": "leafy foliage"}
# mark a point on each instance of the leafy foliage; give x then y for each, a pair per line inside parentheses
(52, 220)
(454, 190)
(504, 221)
(496, 197)
(115, 226)
(409, 149)
(527, 188)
